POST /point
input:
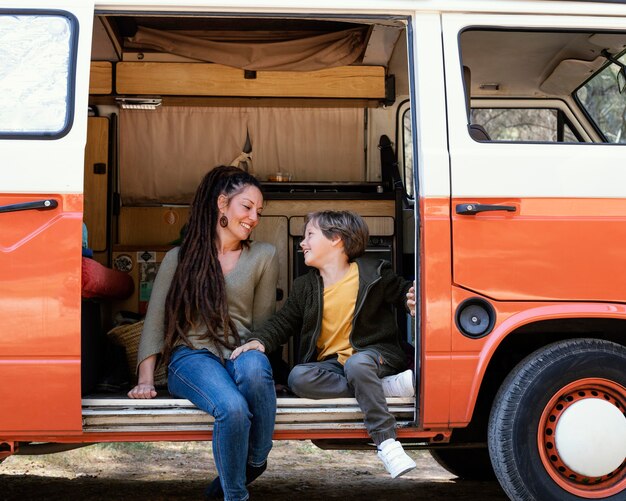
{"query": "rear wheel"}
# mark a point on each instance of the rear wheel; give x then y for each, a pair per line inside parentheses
(468, 464)
(557, 429)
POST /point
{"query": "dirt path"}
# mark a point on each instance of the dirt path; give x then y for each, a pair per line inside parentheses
(157, 471)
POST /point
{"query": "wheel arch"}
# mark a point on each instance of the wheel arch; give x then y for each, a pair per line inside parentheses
(522, 334)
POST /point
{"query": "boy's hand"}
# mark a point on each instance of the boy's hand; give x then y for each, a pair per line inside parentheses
(410, 300)
(250, 345)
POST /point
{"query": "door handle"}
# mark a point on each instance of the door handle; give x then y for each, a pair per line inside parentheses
(37, 205)
(471, 209)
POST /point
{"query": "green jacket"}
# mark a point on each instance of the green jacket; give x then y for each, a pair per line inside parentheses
(374, 325)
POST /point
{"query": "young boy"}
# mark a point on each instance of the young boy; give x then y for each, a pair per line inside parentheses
(343, 310)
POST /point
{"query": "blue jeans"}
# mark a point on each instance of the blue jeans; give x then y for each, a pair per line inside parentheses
(240, 396)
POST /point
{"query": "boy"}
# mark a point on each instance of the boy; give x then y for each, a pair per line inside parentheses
(343, 310)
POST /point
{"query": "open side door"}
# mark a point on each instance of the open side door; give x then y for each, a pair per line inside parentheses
(44, 82)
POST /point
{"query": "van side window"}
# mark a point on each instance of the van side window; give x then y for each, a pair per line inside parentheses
(37, 75)
(605, 105)
(524, 124)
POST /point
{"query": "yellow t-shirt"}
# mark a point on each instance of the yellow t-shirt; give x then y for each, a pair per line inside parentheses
(339, 303)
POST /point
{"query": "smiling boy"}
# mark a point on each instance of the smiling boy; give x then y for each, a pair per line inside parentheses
(343, 310)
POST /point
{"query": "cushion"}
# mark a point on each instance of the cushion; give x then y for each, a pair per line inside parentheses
(98, 281)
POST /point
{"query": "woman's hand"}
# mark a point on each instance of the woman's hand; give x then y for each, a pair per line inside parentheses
(145, 387)
(410, 300)
(250, 345)
(143, 390)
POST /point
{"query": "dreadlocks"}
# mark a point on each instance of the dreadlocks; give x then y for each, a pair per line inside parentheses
(197, 295)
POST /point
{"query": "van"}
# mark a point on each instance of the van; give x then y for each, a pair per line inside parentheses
(482, 142)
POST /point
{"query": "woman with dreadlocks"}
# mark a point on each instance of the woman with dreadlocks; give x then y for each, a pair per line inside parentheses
(209, 294)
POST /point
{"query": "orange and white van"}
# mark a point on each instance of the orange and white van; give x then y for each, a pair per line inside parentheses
(482, 141)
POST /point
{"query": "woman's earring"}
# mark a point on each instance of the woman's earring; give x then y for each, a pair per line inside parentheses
(223, 221)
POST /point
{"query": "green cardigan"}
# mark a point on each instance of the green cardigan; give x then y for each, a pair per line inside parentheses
(374, 325)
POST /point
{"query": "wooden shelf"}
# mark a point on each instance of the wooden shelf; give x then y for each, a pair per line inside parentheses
(101, 77)
(203, 79)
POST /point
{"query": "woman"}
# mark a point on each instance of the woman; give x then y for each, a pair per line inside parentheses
(207, 297)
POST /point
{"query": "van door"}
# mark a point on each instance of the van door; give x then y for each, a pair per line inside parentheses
(531, 220)
(44, 78)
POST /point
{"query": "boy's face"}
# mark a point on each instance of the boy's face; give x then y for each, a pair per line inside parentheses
(318, 250)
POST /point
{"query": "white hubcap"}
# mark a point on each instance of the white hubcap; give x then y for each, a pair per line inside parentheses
(590, 437)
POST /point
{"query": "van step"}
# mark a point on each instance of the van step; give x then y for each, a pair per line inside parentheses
(173, 414)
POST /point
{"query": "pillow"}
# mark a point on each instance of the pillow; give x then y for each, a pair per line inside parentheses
(128, 336)
(101, 282)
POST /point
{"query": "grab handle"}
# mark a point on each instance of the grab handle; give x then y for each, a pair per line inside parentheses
(37, 205)
(471, 209)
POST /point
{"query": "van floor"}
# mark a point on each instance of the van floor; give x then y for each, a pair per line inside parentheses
(117, 413)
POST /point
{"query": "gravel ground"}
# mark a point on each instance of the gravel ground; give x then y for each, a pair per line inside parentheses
(169, 470)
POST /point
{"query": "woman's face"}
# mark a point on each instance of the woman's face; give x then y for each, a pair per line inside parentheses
(243, 211)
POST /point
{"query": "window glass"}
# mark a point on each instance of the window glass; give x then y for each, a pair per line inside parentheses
(407, 153)
(522, 124)
(35, 75)
(568, 135)
(604, 103)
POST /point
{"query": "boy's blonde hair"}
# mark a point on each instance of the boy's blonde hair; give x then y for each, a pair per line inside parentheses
(348, 226)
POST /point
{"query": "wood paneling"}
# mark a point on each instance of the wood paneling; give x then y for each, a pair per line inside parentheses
(101, 77)
(291, 208)
(96, 181)
(204, 79)
(141, 226)
(150, 226)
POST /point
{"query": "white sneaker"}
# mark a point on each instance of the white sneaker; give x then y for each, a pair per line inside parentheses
(399, 385)
(396, 461)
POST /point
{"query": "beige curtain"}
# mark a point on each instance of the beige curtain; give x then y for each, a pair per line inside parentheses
(165, 153)
(302, 54)
(311, 144)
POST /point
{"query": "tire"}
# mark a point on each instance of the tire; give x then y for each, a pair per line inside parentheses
(467, 464)
(547, 421)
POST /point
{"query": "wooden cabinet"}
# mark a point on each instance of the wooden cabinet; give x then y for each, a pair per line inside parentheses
(96, 182)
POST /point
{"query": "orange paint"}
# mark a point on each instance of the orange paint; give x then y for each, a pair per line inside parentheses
(40, 311)
(40, 255)
(547, 250)
(436, 277)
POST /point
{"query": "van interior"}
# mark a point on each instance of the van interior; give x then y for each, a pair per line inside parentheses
(319, 109)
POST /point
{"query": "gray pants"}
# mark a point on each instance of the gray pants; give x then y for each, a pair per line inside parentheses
(360, 378)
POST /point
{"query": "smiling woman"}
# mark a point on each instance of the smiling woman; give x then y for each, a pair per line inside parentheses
(208, 295)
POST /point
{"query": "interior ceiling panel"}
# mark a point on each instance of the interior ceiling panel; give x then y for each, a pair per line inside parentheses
(519, 62)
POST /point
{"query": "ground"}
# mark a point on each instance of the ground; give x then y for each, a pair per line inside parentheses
(297, 471)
